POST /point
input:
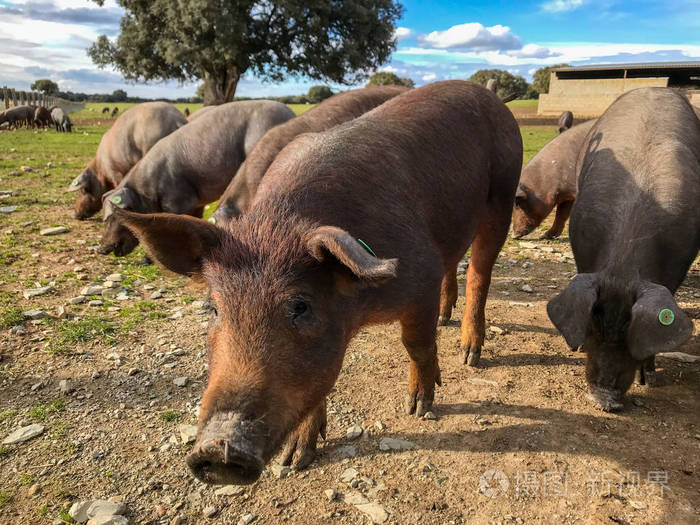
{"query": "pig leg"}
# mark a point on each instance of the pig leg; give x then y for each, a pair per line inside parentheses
(418, 334)
(300, 449)
(646, 373)
(448, 295)
(485, 249)
(563, 212)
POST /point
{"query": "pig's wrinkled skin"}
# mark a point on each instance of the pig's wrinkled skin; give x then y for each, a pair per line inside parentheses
(635, 231)
(566, 120)
(191, 167)
(200, 112)
(419, 179)
(331, 112)
(131, 136)
(549, 180)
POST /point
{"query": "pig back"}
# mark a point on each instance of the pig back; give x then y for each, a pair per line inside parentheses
(637, 208)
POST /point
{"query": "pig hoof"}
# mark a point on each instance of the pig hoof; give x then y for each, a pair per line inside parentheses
(423, 406)
(650, 378)
(472, 356)
(638, 377)
(298, 457)
(409, 404)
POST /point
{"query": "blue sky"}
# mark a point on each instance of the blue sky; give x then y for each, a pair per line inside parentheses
(436, 40)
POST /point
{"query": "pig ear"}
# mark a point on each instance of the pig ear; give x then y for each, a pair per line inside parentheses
(123, 198)
(657, 323)
(80, 182)
(520, 193)
(570, 311)
(178, 242)
(350, 252)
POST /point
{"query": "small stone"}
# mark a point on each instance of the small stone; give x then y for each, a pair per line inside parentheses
(166, 447)
(113, 356)
(34, 489)
(95, 302)
(180, 381)
(496, 330)
(116, 277)
(331, 494)
(430, 415)
(77, 300)
(638, 505)
(108, 292)
(35, 315)
(91, 290)
(156, 295)
(35, 292)
(279, 471)
(210, 511)
(348, 475)
(528, 245)
(227, 490)
(347, 451)
(18, 330)
(354, 432)
(374, 511)
(479, 381)
(388, 443)
(133, 371)
(8, 209)
(24, 434)
(78, 511)
(26, 169)
(64, 385)
(103, 506)
(51, 165)
(110, 284)
(379, 425)
(247, 519)
(355, 498)
(53, 231)
(148, 287)
(526, 288)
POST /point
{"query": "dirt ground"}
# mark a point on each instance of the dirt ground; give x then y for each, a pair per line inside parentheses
(516, 440)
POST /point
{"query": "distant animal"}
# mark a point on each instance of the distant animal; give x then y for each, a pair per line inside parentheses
(549, 180)
(566, 120)
(356, 225)
(105, 110)
(333, 111)
(115, 111)
(189, 168)
(61, 120)
(42, 117)
(18, 116)
(135, 132)
(635, 231)
(187, 112)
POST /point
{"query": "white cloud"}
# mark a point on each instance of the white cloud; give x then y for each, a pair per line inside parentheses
(472, 36)
(561, 6)
(429, 77)
(402, 33)
(533, 51)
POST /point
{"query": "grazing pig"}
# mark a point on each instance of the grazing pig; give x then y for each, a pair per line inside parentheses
(187, 112)
(61, 120)
(135, 132)
(566, 120)
(635, 230)
(42, 117)
(105, 110)
(356, 225)
(190, 167)
(331, 112)
(549, 180)
(114, 112)
(17, 116)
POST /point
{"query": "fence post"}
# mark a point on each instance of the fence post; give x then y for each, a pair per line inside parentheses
(4, 97)
(13, 94)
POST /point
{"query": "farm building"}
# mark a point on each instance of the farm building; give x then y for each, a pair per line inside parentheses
(587, 91)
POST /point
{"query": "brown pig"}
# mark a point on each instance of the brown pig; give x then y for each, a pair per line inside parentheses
(190, 167)
(548, 181)
(331, 112)
(356, 225)
(134, 133)
(42, 117)
(566, 120)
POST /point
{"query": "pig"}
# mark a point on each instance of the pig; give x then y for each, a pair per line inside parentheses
(17, 116)
(355, 225)
(199, 113)
(549, 180)
(331, 112)
(635, 231)
(114, 112)
(135, 132)
(105, 110)
(187, 112)
(566, 119)
(190, 167)
(61, 120)
(42, 117)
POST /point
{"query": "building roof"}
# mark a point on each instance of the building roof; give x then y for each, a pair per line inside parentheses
(639, 65)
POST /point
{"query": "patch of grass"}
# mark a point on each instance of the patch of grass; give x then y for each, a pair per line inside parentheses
(43, 510)
(72, 448)
(8, 414)
(189, 299)
(26, 477)
(11, 316)
(72, 332)
(5, 498)
(109, 474)
(170, 416)
(59, 430)
(41, 412)
(63, 514)
(534, 139)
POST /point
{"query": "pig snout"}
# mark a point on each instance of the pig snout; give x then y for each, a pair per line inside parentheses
(521, 224)
(228, 451)
(608, 399)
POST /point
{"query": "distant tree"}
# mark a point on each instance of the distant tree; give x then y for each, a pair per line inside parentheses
(508, 83)
(540, 80)
(318, 94)
(217, 41)
(531, 92)
(200, 91)
(385, 78)
(46, 86)
(119, 95)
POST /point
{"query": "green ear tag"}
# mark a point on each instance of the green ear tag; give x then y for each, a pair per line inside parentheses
(363, 243)
(117, 199)
(666, 317)
(75, 182)
(212, 220)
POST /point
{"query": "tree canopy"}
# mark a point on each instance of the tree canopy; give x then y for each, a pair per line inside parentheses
(318, 94)
(217, 41)
(507, 83)
(540, 80)
(385, 78)
(46, 86)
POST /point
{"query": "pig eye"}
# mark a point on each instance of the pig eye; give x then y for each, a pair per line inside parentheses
(520, 202)
(298, 307)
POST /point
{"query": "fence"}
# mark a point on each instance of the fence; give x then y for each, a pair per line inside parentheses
(12, 97)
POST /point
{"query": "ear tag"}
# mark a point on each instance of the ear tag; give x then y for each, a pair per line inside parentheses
(212, 220)
(363, 243)
(117, 199)
(666, 317)
(75, 182)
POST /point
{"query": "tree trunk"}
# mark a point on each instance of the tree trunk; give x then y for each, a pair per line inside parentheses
(220, 86)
